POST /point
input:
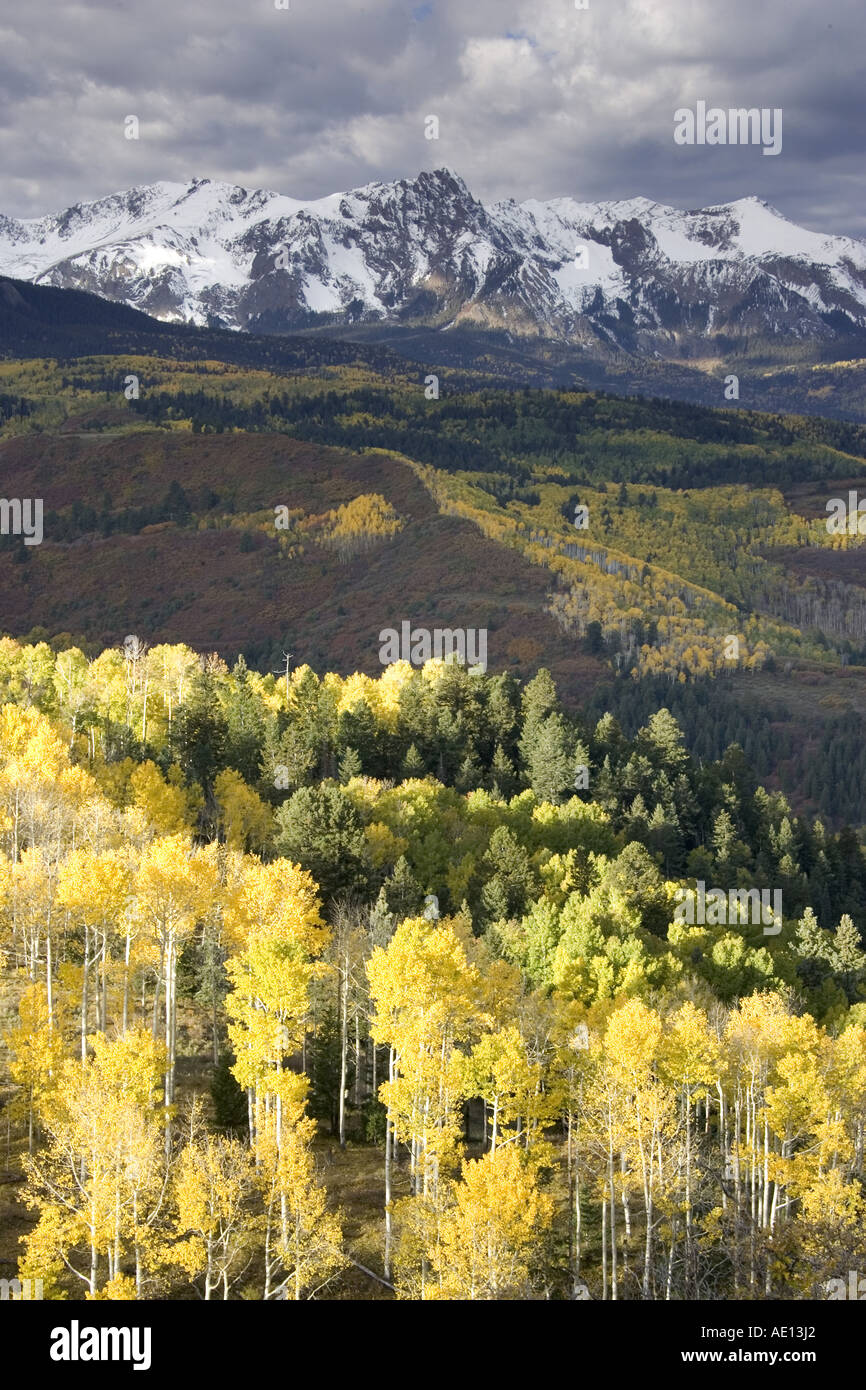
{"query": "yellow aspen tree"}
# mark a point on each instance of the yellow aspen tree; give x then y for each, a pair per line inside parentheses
(346, 956)
(82, 1182)
(42, 795)
(213, 1191)
(425, 996)
(690, 1060)
(805, 1139)
(174, 887)
(38, 1048)
(275, 909)
(489, 1236)
(32, 757)
(631, 1046)
(245, 822)
(33, 903)
(753, 1040)
(847, 1083)
(302, 1238)
(217, 942)
(95, 890)
(830, 1240)
(499, 1071)
(166, 807)
(576, 1057)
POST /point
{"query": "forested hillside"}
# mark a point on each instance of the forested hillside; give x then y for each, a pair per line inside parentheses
(39, 321)
(352, 987)
(701, 577)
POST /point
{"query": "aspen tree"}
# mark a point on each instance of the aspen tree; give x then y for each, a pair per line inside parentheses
(38, 1048)
(423, 992)
(275, 909)
(173, 888)
(95, 889)
(690, 1060)
(634, 1107)
(576, 1055)
(753, 1038)
(302, 1239)
(487, 1238)
(500, 1072)
(33, 902)
(167, 808)
(213, 1198)
(425, 997)
(847, 1083)
(245, 821)
(100, 1122)
(347, 954)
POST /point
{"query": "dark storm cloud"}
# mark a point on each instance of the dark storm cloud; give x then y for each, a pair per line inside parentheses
(534, 98)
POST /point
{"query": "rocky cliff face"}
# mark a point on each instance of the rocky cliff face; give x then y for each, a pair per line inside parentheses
(631, 275)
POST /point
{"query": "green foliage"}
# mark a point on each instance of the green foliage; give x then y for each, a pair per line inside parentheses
(320, 829)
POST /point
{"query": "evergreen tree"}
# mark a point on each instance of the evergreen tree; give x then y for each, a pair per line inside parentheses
(470, 775)
(847, 959)
(413, 763)
(724, 838)
(503, 780)
(350, 765)
(635, 876)
(550, 762)
(664, 838)
(381, 920)
(320, 829)
(812, 947)
(662, 741)
(538, 701)
(403, 893)
(502, 710)
(200, 736)
(243, 723)
(358, 731)
(511, 880)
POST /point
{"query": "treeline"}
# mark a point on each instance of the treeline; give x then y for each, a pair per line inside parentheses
(300, 749)
(823, 761)
(591, 435)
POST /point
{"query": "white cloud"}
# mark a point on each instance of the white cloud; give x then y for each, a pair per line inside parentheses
(534, 97)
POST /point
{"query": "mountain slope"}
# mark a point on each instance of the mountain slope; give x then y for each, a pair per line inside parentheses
(42, 321)
(632, 275)
(170, 533)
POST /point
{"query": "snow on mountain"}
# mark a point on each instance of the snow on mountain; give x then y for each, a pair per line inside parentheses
(632, 274)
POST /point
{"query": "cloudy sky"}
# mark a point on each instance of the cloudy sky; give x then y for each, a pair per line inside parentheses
(534, 98)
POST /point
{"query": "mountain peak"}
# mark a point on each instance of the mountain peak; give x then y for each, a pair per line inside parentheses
(631, 274)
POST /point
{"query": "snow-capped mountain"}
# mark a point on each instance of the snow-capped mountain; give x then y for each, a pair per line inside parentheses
(632, 274)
